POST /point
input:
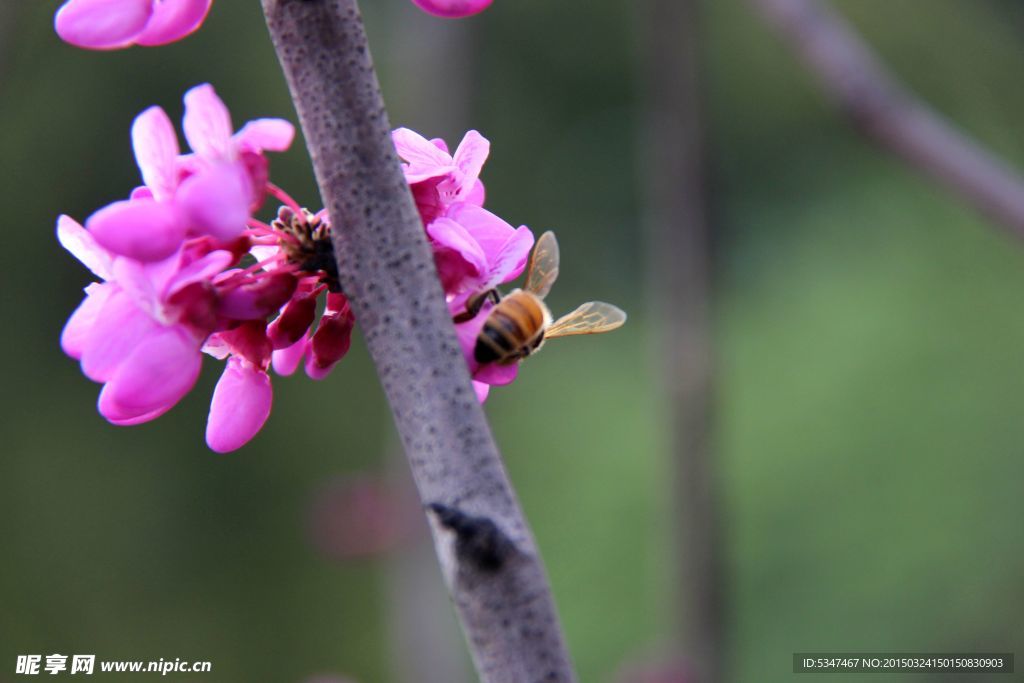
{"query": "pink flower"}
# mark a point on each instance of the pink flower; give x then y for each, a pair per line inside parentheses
(437, 178)
(114, 24)
(210, 192)
(139, 332)
(243, 396)
(453, 8)
(476, 251)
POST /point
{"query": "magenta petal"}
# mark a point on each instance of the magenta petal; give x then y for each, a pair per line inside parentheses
(286, 361)
(217, 201)
(79, 327)
(201, 270)
(487, 229)
(83, 247)
(240, 406)
(207, 123)
(102, 24)
(481, 390)
(294, 321)
(457, 254)
(156, 148)
(332, 338)
(467, 333)
(156, 374)
(452, 9)
(496, 374)
(511, 259)
(257, 299)
(274, 135)
(423, 158)
(118, 328)
(470, 157)
(173, 20)
(142, 229)
(115, 415)
(476, 195)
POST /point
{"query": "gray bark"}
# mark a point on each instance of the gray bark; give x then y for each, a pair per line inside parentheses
(487, 552)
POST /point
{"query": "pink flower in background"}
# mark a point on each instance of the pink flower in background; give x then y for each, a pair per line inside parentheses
(210, 192)
(114, 24)
(453, 9)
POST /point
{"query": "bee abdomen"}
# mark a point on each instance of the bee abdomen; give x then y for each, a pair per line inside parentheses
(512, 330)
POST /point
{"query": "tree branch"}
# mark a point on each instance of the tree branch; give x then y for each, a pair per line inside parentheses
(681, 289)
(490, 561)
(894, 118)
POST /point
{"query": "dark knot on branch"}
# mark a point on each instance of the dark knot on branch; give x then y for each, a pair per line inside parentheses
(478, 540)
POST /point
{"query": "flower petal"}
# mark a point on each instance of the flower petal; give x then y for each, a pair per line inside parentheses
(119, 327)
(142, 229)
(274, 135)
(490, 231)
(173, 20)
(452, 9)
(423, 159)
(207, 123)
(157, 373)
(79, 327)
(102, 24)
(460, 259)
(83, 247)
(256, 298)
(481, 390)
(216, 201)
(496, 374)
(286, 361)
(470, 157)
(240, 406)
(509, 262)
(156, 148)
(201, 270)
(115, 415)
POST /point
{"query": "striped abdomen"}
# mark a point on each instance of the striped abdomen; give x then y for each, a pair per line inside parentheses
(513, 329)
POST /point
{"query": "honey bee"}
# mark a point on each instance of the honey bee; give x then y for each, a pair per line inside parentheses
(520, 322)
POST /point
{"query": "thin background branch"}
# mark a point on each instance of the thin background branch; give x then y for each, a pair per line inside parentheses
(850, 74)
(681, 290)
(488, 554)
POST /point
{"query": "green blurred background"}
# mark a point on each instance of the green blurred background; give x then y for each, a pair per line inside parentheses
(869, 330)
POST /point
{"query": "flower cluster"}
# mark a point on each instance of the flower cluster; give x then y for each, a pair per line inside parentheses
(185, 267)
(173, 285)
(116, 24)
(474, 250)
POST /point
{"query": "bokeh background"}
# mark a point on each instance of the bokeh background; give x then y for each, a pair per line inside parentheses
(869, 425)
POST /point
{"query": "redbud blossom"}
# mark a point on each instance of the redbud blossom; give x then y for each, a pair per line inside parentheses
(210, 192)
(453, 9)
(474, 250)
(114, 24)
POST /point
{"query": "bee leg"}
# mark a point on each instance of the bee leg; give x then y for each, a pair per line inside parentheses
(475, 303)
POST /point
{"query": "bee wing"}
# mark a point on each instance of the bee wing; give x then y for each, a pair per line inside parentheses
(592, 317)
(543, 265)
